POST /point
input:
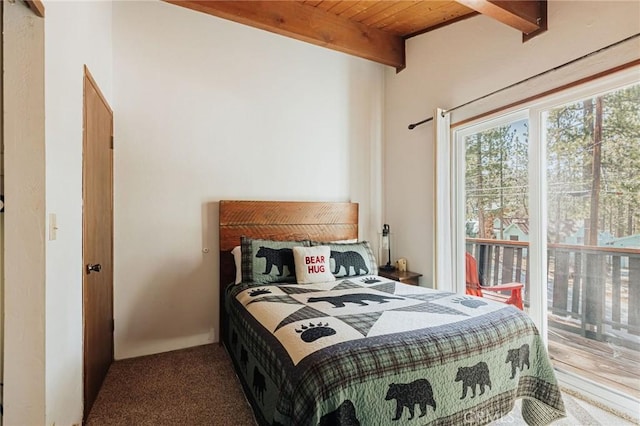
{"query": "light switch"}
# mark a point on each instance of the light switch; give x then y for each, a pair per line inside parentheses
(53, 226)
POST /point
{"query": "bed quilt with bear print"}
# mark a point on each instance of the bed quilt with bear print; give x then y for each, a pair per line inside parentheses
(368, 350)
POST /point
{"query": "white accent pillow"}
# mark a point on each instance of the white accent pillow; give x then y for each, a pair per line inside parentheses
(237, 258)
(312, 264)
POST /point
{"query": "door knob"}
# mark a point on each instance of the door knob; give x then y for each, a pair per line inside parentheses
(91, 267)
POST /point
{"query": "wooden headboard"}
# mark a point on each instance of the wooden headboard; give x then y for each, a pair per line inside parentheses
(280, 220)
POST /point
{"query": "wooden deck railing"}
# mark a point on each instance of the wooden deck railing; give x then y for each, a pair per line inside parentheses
(593, 291)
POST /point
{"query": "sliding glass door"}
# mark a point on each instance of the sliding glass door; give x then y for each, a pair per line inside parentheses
(593, 227)
(549, 196)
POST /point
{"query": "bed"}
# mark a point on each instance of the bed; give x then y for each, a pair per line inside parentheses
(359, 349)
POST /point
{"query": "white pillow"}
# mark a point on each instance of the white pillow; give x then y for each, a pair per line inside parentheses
(312, 264)
(237, 258)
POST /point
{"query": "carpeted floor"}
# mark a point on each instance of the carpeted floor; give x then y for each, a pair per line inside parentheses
(197, 386)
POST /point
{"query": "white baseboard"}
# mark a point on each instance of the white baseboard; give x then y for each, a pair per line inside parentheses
(164, 345)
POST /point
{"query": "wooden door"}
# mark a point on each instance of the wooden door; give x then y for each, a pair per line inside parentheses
(97, 238)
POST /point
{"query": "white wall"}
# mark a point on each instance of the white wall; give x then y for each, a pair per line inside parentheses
(207, 109)
(76, 33)
(1, 228)
(24, 152)
(455, 64)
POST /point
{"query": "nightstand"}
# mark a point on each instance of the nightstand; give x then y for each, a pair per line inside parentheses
(406, 277)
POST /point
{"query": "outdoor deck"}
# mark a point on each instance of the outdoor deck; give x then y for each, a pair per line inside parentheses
(593, 305)
(612, 366)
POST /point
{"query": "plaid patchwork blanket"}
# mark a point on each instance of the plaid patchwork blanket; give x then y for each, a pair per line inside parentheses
(368, 350)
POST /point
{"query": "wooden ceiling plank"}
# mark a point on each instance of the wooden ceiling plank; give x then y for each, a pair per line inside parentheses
(327, 4)
(310, 24)
(390, 15)
(342, 7)
(525, 16)
(357, 9)
(371, 12)
(313, 3)
(427, 15)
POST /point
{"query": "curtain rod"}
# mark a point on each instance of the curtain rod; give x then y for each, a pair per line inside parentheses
(426, 120)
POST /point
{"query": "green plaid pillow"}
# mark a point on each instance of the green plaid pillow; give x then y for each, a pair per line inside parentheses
(353, 259)
(268, 261)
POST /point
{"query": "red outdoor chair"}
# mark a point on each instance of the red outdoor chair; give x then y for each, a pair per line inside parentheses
(475, 289)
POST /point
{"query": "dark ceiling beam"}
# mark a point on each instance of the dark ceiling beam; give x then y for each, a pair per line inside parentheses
(310, 24)
(525, 16)
(36, 6)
